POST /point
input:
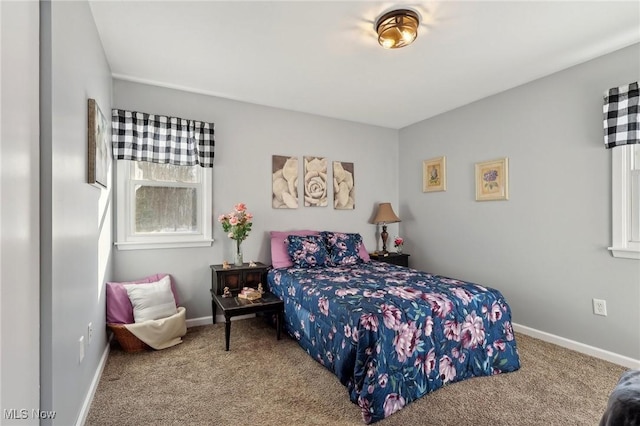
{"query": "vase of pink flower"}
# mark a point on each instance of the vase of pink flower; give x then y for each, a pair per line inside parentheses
(397, 243)
(237, 225)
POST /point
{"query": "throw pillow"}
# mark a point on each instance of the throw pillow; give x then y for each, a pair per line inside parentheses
(151, 301)
(119, 309)
(344, 248)
(307, 251)
(279, 246)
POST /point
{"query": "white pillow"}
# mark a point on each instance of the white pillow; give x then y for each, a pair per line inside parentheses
(152, 300)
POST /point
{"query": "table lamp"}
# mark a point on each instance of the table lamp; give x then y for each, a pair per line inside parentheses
(385, 215)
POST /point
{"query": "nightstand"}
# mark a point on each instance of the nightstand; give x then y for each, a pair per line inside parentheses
(400, 259)
(234, 306)
(236, 277)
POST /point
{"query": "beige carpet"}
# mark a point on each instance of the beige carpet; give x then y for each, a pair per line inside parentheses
(262, 381)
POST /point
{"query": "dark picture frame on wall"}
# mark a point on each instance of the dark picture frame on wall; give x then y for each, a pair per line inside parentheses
(98, 134)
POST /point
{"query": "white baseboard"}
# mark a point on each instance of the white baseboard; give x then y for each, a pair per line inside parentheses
(84, 411)
(579, 347)
(194, 322)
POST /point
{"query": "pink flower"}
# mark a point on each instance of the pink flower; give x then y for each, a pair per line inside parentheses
(407, 293)
(428, 326)
(452, 330)
(496, 312)
(407, 340)
(369, 322)
(447, 369)
(383, 379)
(391, 316)
(376, 294)
(440, 305)
(462, 294)
(237, 224)
(392, 403)
(472, 332)
(323, 304)
(347, 330)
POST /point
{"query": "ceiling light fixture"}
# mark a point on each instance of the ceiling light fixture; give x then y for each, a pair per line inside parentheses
(398, 28)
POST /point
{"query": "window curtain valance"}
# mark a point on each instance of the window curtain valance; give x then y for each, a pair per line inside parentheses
(621, 119)
(160, 139)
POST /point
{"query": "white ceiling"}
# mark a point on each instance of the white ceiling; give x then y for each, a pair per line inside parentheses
(322, 57)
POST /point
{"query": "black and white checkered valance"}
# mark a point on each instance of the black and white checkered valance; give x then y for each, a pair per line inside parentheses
(159, 139)
(621, 119)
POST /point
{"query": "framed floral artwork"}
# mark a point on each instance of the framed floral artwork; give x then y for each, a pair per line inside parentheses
(315, 182)
(344, 197)
(434, 175)
(492, 180)
(284, 182)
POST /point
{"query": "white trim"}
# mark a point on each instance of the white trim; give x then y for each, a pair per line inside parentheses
(194, 322)
(162, 245)
(84, 411)
(578, 347)
(622, 211)
(126, 239)
(624, 253)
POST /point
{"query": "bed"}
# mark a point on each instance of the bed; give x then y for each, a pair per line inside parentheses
(390, 334)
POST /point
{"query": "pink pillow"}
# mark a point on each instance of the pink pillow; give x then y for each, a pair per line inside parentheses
(119, 307)
(363, 253)
(279, 255)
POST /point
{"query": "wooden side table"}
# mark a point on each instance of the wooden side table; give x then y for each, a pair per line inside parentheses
(401, 259)
(234, 306)
(237, 277)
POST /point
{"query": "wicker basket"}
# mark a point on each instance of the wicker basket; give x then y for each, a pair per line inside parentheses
(128, 341)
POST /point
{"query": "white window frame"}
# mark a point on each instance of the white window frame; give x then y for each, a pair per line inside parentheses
(127, 239)
(625, 206)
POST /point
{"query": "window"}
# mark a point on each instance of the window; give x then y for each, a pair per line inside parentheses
(163, 205)
(626, 201)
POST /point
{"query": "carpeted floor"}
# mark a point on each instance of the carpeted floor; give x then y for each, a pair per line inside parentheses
(263, 381)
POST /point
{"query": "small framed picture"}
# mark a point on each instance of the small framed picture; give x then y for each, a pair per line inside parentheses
(434, 175)
(492, 180)
(99, 152)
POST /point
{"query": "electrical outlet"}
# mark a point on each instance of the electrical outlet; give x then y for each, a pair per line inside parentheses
(81, 343)
(89, 333)
(600, 307)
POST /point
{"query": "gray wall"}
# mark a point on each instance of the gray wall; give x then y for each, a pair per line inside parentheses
(545, 248)
(247, 136)
(73, 69)
(19, 246)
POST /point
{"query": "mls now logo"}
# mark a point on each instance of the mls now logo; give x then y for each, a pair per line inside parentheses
(15, 414)
(23, 413)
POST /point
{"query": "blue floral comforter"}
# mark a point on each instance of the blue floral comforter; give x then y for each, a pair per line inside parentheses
(393, 334)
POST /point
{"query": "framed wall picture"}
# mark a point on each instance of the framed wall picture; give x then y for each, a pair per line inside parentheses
(434, 175)
(99, 152)
(315, 182)
(344, 195)
(284, 182)
(492, 180)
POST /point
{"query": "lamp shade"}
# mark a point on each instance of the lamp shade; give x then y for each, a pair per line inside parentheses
(385, 214)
